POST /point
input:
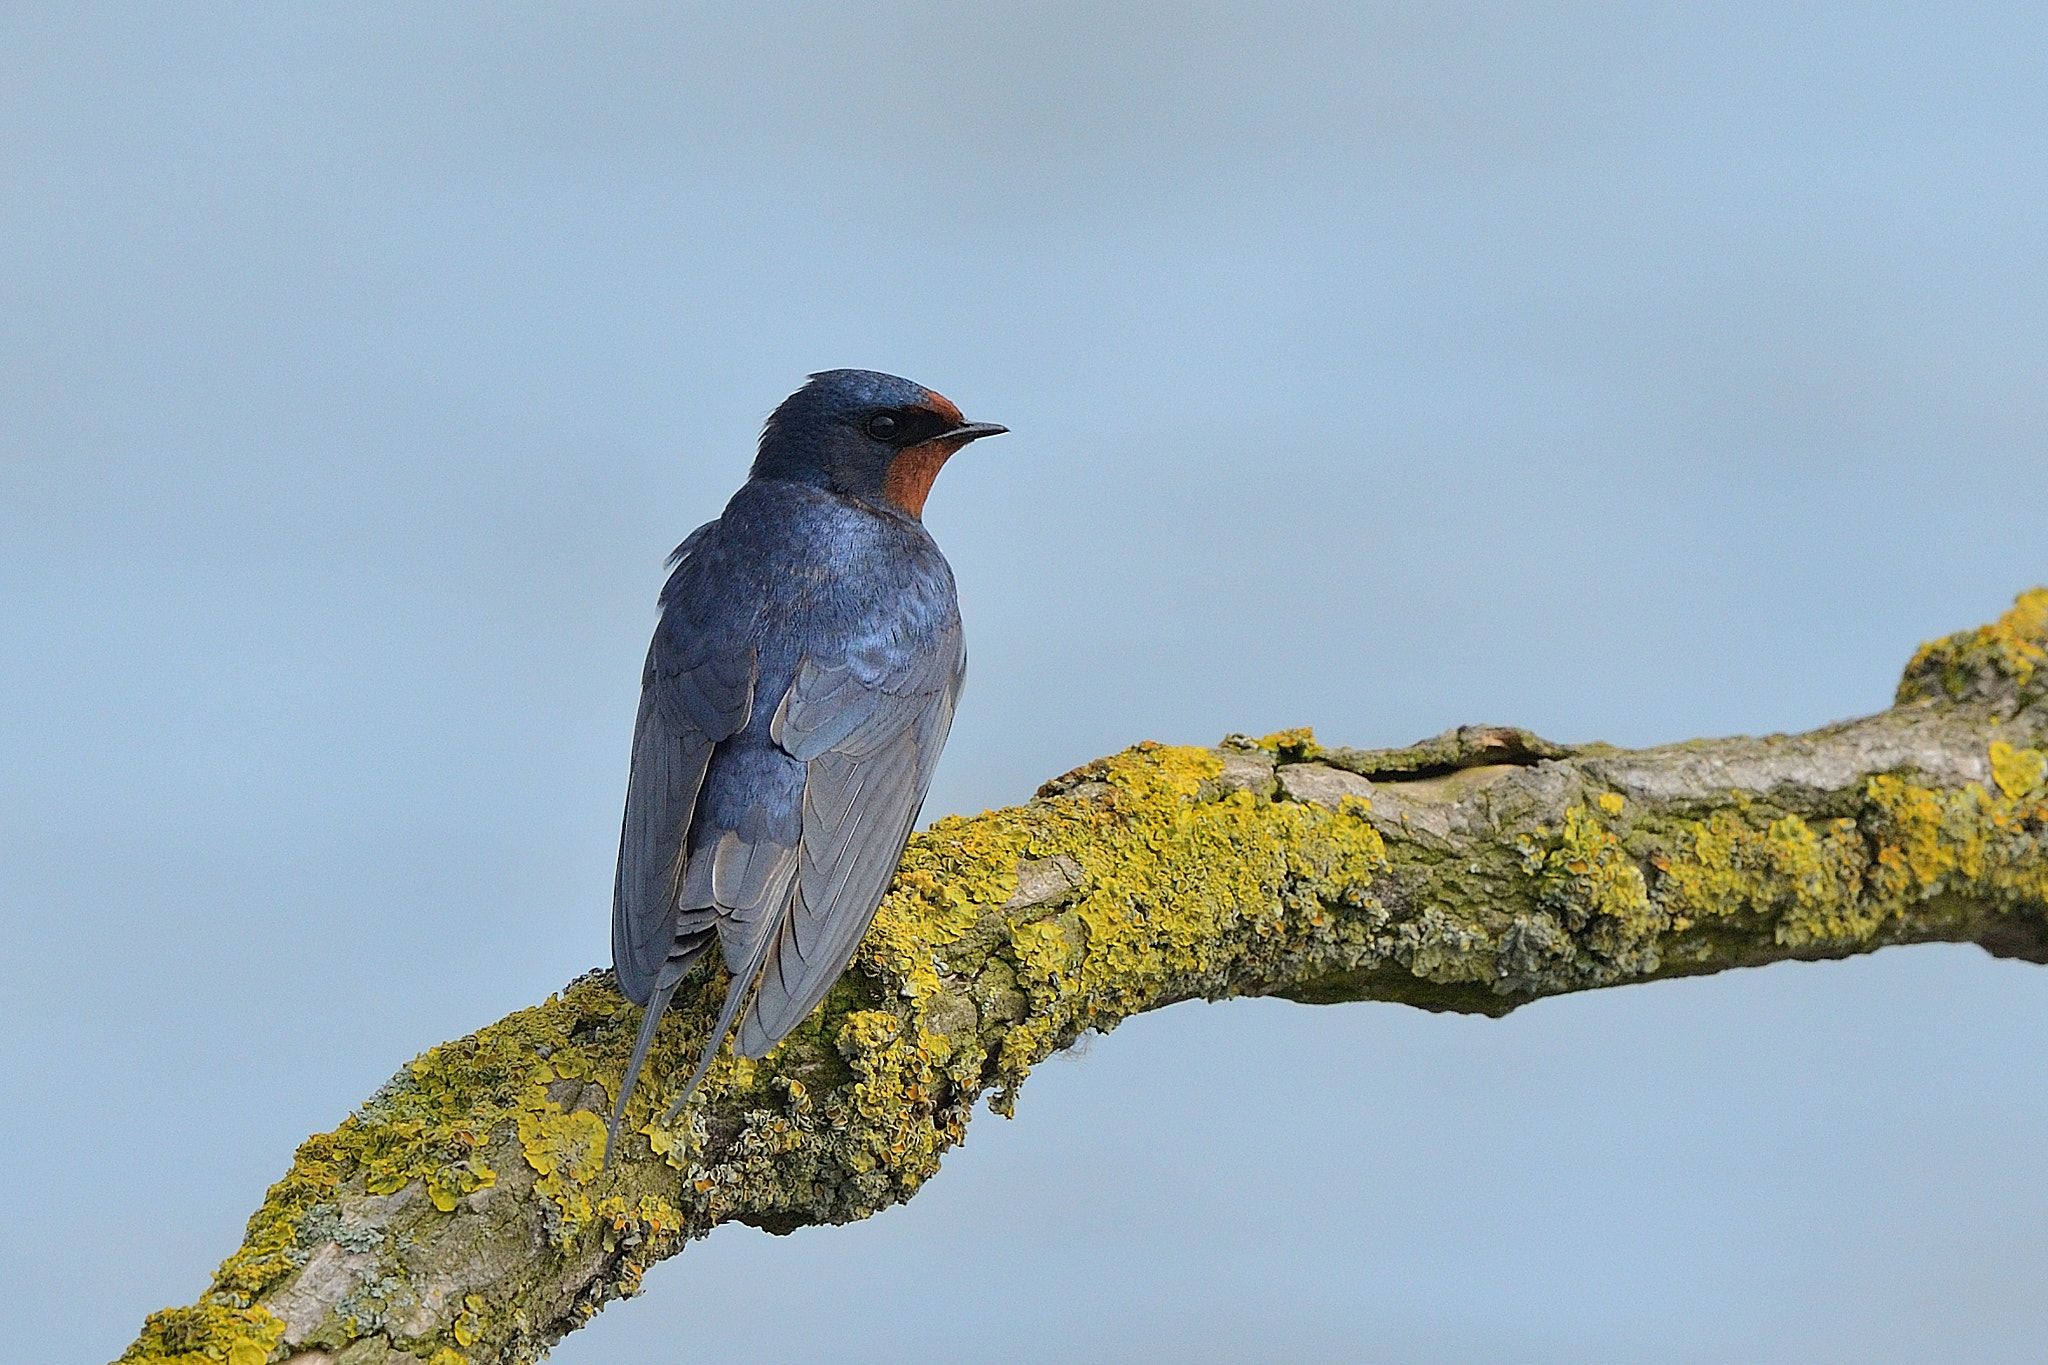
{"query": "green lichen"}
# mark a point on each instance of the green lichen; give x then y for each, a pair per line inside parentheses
(1617, 897)
(1467, 746)
(639, 1233)
(1809, 881)
(206, 1334)
(432, 1123)
(1585, 913)
(1292, 746)
(1842, 881)
(1593, 886)
(1176, 894)
(1992, 845)
(2009, 655)
(444, 1125)
(2018, 773)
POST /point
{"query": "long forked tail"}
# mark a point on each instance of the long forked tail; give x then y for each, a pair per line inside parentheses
(657, 1003)
(738, 991)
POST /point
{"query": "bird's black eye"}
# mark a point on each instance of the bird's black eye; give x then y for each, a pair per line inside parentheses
(882, 426)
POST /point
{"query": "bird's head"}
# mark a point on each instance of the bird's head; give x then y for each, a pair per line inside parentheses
(870, 436)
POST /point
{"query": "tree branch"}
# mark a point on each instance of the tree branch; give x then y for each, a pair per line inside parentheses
(461, 1215)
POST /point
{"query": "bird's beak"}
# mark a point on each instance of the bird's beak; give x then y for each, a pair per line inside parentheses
(970, 431)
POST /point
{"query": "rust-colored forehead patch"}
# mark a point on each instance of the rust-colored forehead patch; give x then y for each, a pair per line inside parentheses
(943, 406)
(908, 480)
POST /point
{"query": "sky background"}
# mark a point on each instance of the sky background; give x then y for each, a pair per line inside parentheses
(1614, 370)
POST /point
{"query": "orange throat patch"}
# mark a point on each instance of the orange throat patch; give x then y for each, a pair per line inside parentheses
(909, 480)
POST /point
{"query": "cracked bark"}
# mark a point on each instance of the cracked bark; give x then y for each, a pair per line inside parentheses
(460, 1215)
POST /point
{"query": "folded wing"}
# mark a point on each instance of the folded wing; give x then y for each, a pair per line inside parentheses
(868, 728)
(696, 690)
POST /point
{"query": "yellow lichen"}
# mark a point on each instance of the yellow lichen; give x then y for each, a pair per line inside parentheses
(1161, 873)
(566, 1152)
(1150, 882)
(1165, 880)
(468, 1323)
(2018, 772)
(431, 1125)
(1842, 882)
(1293, 746)
(1973, 840)
(1812, 880)
(1588, 880)
(206, 1334)
(645, 1232)
(2014, 647)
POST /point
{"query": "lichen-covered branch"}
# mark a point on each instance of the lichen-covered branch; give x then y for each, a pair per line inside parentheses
(461, 1214)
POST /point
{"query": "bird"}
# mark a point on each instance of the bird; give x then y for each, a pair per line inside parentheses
(798, 690)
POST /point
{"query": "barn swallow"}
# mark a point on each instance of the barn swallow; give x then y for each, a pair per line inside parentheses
(797, 693)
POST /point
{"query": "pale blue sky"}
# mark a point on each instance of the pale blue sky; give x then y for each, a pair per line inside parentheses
(1614, 371)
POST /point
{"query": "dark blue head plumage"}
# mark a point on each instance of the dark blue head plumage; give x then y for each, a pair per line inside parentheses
(868, 435)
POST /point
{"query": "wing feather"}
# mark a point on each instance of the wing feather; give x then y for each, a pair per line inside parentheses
(860, 704)
(862, 794)
(668, 770)
(696, 690)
